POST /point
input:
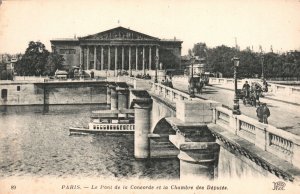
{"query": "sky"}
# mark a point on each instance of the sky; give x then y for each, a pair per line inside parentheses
(215, 22)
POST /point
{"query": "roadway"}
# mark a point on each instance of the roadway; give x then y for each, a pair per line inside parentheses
(285, 116)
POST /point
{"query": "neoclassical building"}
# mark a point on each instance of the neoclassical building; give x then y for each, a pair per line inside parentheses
(119, 49)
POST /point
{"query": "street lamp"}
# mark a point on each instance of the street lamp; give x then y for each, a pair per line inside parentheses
(192, 93)
(236, 106)
(262, 67)
(156, 67)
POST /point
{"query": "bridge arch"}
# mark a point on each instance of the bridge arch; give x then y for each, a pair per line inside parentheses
(163, 127)
(160, 111)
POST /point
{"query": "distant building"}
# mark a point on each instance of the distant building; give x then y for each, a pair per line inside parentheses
(7, 69)
(118, 49)
(199, 66)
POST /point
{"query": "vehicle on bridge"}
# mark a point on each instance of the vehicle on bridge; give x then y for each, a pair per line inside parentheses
(251, 97)
(205, 77)
(248, 99)
(197, 83)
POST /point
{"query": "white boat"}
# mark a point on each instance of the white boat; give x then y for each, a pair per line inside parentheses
(108, 121)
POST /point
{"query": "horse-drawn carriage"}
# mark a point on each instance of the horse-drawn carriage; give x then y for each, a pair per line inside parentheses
(195, 83)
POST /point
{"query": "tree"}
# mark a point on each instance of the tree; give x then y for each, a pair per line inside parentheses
(219, 60)
(34, 60)
(54, 62)
(249, 64)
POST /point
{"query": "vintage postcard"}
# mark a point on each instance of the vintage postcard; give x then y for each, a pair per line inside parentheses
(149, 96)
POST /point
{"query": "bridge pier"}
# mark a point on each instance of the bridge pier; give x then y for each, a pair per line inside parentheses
(202, 163)
(199, 153)
(108, 97)
(142, 107)
(123, 94)
(114, 98)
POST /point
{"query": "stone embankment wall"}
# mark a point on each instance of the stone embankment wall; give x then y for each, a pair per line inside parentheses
(21, 94)
(18, 93)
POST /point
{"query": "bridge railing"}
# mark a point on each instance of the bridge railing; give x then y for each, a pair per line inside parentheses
(281, 143)
(136, 83)
(171, 94)
(278, 91)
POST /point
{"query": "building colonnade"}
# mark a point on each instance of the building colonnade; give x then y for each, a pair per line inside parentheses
(118, 57)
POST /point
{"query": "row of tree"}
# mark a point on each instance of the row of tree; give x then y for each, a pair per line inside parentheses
(37, 60)
(273, 65)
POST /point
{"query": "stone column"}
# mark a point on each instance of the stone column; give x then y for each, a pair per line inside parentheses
(88, 58)
(113, 98)
(129, 60)
(150, 68)
(108, 58)
(136, 58)
(144, 60)
(123, 95)
(122, 58)
(116, 59)
(80, 56)
(157, 53)
(108, 96)
(142, 109)
(95, 57)
(102, 58)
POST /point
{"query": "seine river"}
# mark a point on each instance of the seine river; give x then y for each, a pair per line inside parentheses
(37, 143)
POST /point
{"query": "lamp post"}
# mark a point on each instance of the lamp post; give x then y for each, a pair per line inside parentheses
(192, 86)
(236, 106)
(156, 67)
(262, 67)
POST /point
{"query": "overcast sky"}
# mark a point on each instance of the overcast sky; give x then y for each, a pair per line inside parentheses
(253, 22)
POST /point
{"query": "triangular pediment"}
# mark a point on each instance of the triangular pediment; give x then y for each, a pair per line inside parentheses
(119, 33)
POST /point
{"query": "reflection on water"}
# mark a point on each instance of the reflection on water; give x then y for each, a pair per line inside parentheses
(37, 142)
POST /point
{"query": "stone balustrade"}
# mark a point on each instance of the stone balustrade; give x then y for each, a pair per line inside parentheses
(273, 88)
(283, 144)
(180, 79)
(136, 83)
(171, 94)
(276, 91)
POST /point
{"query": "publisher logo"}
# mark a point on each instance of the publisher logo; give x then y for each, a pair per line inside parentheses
(279, 185)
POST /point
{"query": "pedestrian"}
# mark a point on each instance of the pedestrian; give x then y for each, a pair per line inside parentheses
(246, 88)
(257, 92)
(259, 113)
(265, 85)
(266, 113)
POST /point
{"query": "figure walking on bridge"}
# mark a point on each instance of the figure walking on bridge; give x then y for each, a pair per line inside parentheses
(246, 88)
(263, 113)
(259, 113)
(266, 113)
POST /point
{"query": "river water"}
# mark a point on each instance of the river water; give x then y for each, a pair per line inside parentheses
(37, 143)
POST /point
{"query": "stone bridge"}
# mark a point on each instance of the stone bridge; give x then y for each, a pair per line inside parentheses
(205, 136)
